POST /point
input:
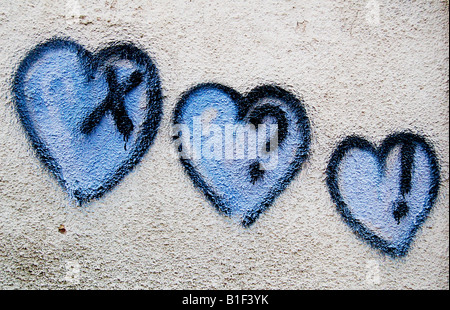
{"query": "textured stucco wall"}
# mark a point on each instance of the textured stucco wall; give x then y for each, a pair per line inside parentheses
(358, 73)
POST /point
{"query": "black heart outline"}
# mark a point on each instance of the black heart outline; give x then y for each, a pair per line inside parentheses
(91, 62)
(381, 154)
(244, 104)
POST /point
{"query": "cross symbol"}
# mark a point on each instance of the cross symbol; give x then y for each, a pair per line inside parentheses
(114, 102)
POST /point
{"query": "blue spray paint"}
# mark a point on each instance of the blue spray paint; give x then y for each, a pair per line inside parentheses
(240, 187)
(385, 193)
(90, 117)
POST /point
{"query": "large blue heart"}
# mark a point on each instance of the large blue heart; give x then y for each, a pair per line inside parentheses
(241, 152)
(384, 194)
(90, 118)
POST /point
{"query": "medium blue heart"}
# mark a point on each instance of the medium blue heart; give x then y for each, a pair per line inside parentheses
(384, 194)
(89, 117)
(230, 151)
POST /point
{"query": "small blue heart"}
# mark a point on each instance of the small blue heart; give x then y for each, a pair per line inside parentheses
(384, 194)
(230, 151)
(90, 118)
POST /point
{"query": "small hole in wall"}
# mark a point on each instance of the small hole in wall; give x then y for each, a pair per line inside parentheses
(62, 229)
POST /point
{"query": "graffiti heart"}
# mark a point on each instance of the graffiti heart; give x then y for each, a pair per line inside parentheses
(384, 194)
(90, 117)
(229, 151)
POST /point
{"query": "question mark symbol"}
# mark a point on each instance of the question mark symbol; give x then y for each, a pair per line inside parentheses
(255, 118)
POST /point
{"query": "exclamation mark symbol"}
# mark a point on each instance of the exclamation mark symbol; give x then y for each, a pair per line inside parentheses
(406, 162)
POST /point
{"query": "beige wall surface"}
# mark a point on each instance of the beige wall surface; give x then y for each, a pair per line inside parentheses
(366, 68)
